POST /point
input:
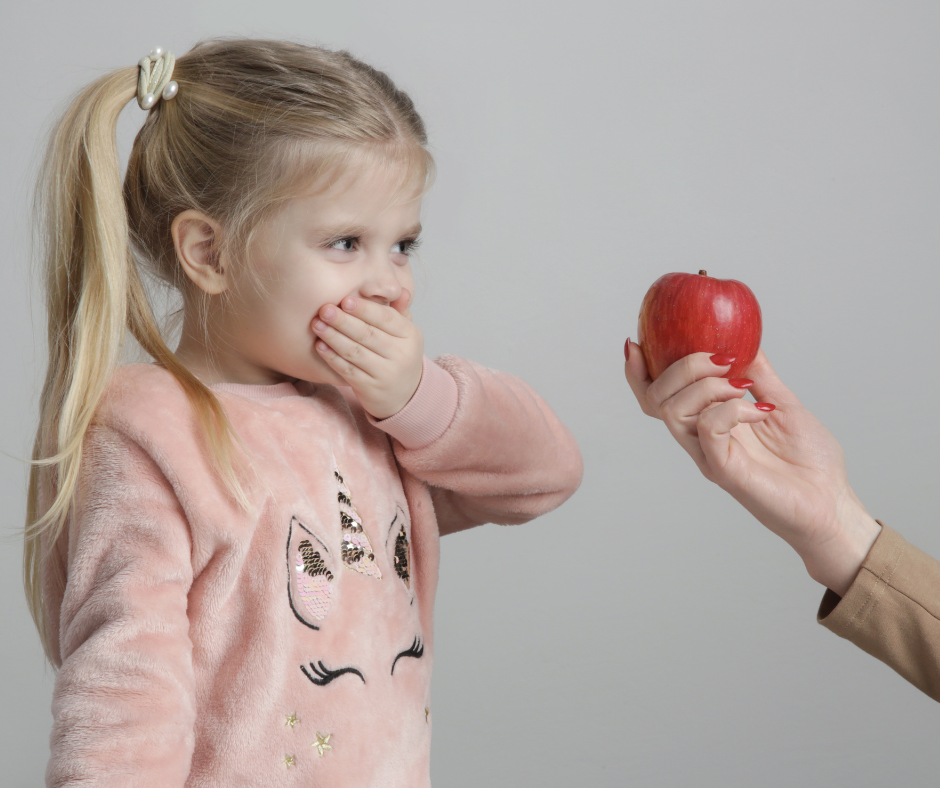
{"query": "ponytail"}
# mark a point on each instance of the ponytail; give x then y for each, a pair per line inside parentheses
(94, 294)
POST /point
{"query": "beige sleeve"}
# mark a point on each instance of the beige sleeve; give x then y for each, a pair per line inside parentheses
(892, 610)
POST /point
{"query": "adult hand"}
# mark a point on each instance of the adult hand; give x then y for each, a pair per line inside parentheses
(375, 348)
(780, 463)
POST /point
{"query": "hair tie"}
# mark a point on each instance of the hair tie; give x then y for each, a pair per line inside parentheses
(153, 81)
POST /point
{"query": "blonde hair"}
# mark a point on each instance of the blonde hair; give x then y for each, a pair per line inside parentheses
(253, 122)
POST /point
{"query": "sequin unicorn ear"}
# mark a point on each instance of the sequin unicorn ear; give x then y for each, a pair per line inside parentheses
(310, 581)
(402, 558)
(358, 554)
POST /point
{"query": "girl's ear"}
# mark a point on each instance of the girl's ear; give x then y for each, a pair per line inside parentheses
(198, 242)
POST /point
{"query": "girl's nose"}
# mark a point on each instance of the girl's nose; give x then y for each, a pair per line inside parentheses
(382, 283)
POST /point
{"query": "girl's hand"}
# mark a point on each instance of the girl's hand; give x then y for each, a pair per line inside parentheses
(376, 349)
(781, 464)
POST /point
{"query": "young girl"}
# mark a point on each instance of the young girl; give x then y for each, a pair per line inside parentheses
(232, 553)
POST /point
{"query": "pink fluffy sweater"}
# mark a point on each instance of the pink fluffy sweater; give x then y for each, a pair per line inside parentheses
(203, 645)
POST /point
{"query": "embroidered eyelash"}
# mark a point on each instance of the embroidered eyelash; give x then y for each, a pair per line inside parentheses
(324, 675)
(357, 549)
(402, 556)
(416, 651)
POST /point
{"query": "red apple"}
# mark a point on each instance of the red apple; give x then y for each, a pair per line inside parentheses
(687, 313)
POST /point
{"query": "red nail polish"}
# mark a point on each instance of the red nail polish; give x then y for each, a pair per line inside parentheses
(626, 349)
(741, 383)
(765, 406)
(722, 359)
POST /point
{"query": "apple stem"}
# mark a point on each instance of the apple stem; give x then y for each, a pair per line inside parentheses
(703, 272)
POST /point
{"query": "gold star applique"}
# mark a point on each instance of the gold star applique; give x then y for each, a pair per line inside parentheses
(292, 720)
(322, 743)
(289, 760)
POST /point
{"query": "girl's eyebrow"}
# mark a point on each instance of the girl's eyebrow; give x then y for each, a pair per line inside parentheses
(341, 231)
(357, 231)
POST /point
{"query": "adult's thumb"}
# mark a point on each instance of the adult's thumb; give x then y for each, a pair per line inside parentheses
(767, 386)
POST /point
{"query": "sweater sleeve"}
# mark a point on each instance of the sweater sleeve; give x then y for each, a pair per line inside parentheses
(124, 697)
(489, 447)
(892, 610)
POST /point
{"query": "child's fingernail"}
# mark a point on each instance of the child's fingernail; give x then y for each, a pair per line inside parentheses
(764, 406)
(626, 349)
(329, 312)
(741, 383)
(319, 326)
(349, 304)
(722, 359)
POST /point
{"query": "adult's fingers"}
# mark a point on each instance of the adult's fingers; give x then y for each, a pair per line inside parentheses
(681, 411)
(634, 369)
(682, 373)
(684, 407)
(715, 425)
(767, 386)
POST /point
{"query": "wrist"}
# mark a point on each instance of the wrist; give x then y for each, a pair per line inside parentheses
(397, 400)
(429, 411)
(835, 562)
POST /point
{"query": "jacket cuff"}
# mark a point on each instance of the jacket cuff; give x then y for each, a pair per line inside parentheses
(428, 413)
(842, 614)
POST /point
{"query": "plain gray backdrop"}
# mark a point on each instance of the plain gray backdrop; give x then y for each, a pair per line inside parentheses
(649, 632)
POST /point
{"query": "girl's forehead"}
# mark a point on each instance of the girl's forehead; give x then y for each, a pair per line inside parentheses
(361, 200)
(401, 171)
(365, 190)
(398, 181)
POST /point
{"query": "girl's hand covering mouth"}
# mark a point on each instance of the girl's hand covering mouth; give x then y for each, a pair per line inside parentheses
(375, 348)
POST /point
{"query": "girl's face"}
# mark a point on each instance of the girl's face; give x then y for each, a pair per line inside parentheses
(353, 238)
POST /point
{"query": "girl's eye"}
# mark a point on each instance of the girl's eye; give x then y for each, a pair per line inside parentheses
(344, 244)
(406, 246)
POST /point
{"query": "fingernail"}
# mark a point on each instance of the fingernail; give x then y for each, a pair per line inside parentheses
(722, 359)
(329, 313)
(765, 406)
(626, 349)
(349, 304)
(319, 326)
(741, 383)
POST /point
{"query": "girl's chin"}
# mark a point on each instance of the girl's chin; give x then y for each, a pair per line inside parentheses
(320, 372)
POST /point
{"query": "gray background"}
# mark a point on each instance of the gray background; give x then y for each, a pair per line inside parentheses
(649, 632)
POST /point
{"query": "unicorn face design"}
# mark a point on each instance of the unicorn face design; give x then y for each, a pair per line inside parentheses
(337, 587)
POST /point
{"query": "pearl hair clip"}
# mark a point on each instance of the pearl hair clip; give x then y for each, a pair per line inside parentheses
(153, 80)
